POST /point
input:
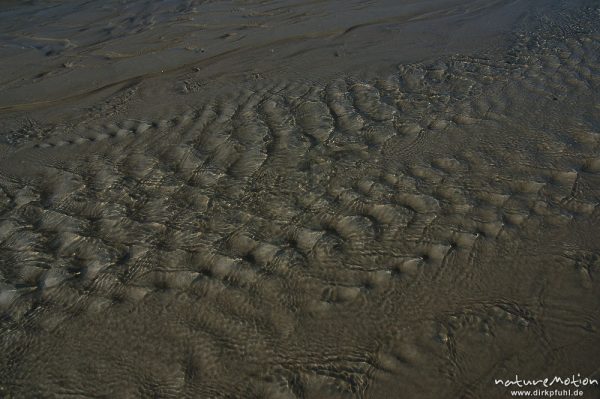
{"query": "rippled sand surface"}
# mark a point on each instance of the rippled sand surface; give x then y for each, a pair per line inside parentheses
(298, 199)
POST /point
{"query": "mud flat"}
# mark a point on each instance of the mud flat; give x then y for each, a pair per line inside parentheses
(223, 220)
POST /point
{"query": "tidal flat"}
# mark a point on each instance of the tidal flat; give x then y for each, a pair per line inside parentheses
(298, 199)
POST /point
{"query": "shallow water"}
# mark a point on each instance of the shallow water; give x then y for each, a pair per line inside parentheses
(298, 199)
(57, 51)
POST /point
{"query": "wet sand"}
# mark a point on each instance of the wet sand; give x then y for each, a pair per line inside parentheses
(286, 199)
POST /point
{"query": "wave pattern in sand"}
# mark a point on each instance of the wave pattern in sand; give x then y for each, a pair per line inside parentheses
(418, 233)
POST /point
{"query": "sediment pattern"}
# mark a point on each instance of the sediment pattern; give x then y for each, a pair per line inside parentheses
(417, 233)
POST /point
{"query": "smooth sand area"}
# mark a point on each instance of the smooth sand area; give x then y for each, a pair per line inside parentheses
(298, 199)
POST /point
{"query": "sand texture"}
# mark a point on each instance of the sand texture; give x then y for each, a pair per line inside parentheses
(215, 223)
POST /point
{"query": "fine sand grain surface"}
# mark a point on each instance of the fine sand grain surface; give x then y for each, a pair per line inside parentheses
(298, 199)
